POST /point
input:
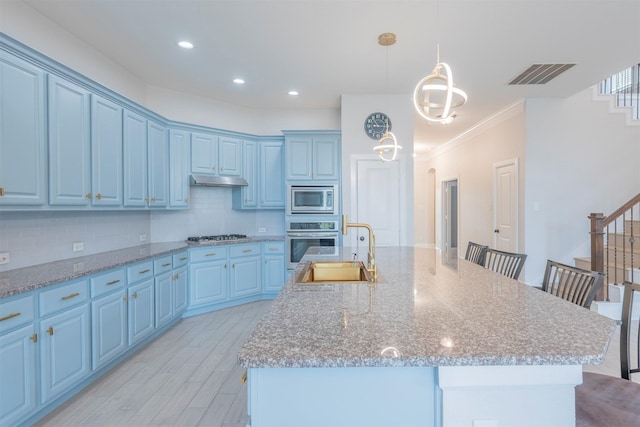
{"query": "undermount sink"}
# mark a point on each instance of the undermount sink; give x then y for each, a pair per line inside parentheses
(334, 271)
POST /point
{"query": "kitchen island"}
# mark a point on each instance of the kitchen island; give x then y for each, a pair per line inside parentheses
(431, 343)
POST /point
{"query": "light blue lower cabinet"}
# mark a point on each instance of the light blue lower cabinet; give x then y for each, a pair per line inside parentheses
(18, 379)
(65, 351)
(164, 299)
(108, 328)
(273, 273)
(208, 283)
(180, 290)
(140, 312)
(246, 278)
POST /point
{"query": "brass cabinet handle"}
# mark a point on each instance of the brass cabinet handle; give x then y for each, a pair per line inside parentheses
(34, 338)
(247, 250)
(113, 282)
(183, 258)
(166, 264)
(243, 378)
(233, 265)
(11, 316)
(1, 192)
(213, 168)
(146, 199)
(99, 196)
(153, 199)
(210, 254)
(134, 295)
(273, 249)
(125, 299)
(70, 296)
(144, 271)
(50, 330)
(225, 265)
(89, 196)
(222, 169)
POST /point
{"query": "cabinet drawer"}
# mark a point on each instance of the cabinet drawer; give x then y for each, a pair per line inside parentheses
(244, 250)
(62, 297)
(139, 271)
(162, 265)
(107, 282)
(180, 259)
(16, 312)
(273, 248)
(209, 253)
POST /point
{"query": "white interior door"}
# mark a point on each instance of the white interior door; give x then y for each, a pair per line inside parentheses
(450, 214)
(506, 205)
(377, 202)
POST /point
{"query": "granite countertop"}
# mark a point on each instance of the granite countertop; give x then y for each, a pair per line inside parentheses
(25, 279)
(422, 312)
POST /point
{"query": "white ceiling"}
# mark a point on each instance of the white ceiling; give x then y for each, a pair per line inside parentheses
(325, 48)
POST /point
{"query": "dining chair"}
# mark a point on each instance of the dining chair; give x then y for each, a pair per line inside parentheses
(506, 263)
(604, 400)
(573, 284)
(475, 253)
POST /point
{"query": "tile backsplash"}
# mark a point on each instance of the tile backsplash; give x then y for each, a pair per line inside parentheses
(44, 236)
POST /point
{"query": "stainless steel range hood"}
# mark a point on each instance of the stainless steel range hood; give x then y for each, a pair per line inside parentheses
(218, 181)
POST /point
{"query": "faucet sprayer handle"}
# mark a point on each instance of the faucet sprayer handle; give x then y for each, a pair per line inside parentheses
(344, 225)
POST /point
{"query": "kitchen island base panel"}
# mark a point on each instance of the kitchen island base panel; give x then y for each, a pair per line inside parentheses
(460, 396)
(341, 397)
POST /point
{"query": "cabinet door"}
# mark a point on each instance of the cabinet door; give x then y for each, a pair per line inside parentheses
(65, 348)
(164, 299)
(108, 328)
(249, 193)
(141, 311)
(17, 375)
(22, 132)
(246, 278)
(69, 144)
(179, 290)
(134, 147)
(325, 158)
(273, 274)
(158, 171)
(204, 153)
(208, 282)
(298, 153)
(272, 175)
(178, 169)
(106, 152)
(230, 156)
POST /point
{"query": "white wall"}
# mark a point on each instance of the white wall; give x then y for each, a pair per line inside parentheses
(580, 159)
(470, 160)
(355, 109)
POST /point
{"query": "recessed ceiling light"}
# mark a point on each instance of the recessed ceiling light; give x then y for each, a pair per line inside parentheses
(238, 81)
(185, 44)
(293, 92)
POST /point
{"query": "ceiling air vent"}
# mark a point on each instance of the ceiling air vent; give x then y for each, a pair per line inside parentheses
(539, 74)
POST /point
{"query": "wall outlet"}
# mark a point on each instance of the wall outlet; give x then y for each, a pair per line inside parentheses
(78, 246)
(78, 266)
(4, 257)
(142, 237)
(262, 229)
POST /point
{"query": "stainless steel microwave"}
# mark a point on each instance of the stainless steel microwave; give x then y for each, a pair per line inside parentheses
(311, 199)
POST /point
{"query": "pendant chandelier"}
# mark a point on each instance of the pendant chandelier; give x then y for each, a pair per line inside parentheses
(387, 147)
(435, 96)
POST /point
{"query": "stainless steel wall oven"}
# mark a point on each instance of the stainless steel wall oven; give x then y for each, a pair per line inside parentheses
(303, 234)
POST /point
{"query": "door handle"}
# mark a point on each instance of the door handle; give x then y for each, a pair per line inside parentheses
(362, 238)
(496, 231)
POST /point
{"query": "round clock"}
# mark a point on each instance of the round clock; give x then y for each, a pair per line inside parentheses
(376, 124)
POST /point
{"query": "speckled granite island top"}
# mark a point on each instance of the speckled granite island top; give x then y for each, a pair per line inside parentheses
(422, 312)
(13, 282)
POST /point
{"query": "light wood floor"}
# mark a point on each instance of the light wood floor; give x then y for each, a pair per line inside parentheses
(187, 377)
(190, 377)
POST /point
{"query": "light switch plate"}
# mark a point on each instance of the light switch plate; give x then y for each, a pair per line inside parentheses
(78, 246)
(4, 258)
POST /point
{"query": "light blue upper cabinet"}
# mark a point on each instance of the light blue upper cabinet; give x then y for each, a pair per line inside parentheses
(272, 175)
(178, 169)
(247, 197)
(106, 152)
(299, 152)
(230, 156)
(22, 133)
(204, 153)
(69, 144)
(158, 170)
(312, 155)
(135, 159)
(325, 157)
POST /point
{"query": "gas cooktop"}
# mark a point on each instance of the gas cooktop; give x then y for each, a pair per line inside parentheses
(216, 238)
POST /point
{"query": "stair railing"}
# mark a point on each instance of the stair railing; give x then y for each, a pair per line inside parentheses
(625, 86)
(613, 240)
